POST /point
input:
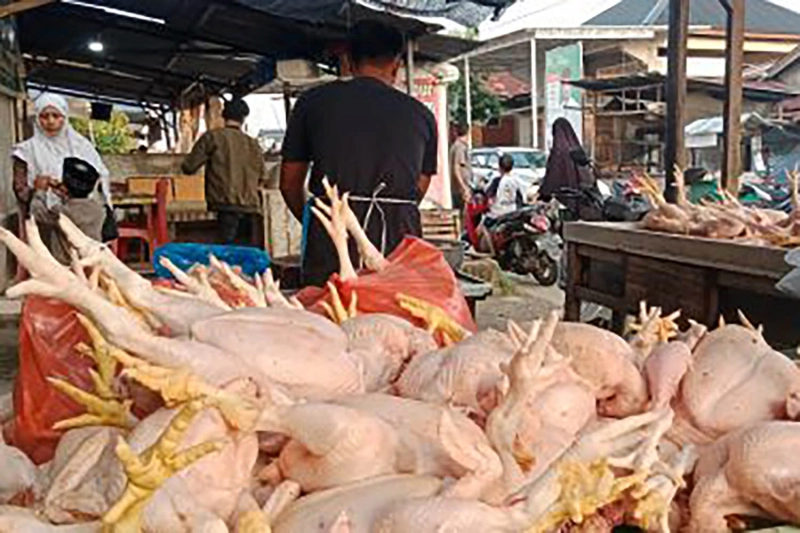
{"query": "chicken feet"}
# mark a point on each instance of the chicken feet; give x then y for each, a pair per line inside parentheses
(148, 471)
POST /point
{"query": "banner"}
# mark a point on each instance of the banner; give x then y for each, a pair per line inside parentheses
(561, 99)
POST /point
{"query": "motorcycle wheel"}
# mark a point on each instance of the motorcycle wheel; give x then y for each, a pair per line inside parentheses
(546, 271)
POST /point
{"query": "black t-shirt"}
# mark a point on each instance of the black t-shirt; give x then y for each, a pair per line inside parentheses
(361, 133)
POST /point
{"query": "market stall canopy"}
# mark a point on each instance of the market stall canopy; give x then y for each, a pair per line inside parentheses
(175, 52)
(704, 133)
(652, 86)
(465, 12)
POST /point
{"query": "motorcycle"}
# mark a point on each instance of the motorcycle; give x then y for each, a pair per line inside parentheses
(523, 241)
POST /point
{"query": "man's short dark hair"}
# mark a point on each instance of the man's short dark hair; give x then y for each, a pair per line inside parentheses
(462, 129)
(376, 41)
(506, 163)
(236, 110)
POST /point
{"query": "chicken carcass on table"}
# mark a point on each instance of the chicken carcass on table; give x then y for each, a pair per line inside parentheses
(728, 219)
(735, 379)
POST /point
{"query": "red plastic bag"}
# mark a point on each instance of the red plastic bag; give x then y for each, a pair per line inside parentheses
(416, 268)
(48, 333)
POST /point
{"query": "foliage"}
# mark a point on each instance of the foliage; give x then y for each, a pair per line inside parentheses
(112, 137)
(485, 105)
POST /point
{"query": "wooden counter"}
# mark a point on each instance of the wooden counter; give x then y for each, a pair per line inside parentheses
(618, 265)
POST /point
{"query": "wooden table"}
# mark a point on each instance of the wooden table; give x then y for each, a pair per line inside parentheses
(619, 265)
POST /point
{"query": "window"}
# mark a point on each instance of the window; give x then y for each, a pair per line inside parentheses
(494, 161)
(479, 160)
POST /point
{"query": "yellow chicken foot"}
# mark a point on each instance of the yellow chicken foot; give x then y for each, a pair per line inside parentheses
(336, 310)
(436, 320)
(100, 411)
(585, 489)
(253, 522)
(147, 472)
(180, 386)
(106, 364)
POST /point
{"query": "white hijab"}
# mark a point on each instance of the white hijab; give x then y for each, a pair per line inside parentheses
(45, 155)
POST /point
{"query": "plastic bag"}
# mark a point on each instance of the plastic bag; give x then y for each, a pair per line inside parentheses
(416, 268)
(48, 333)
(185, 255)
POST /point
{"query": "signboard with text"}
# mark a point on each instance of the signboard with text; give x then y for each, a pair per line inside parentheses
(561, 99)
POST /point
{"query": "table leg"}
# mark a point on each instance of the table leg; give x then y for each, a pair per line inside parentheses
(572, 307)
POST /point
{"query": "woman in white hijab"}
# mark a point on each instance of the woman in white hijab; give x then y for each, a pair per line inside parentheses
(38, 167)
(38, 162)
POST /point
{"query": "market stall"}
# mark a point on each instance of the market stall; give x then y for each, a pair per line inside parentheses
(619, 265)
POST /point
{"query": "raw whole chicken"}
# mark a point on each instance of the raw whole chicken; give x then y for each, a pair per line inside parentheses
(361, 502)
(735, 379)
(466, 374)
(277, 419)
(753, 472)
(608, 363)
(728, 219)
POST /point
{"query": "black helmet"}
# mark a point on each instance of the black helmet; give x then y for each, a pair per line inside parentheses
(79, 177)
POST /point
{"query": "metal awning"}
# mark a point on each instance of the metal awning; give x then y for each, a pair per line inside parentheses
(174, 52)
(465, 12)
(655, 82)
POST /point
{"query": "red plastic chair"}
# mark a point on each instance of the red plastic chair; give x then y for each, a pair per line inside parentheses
(154, 233)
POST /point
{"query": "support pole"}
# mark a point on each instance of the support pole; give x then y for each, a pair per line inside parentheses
(732, 114)
(468, 96)
(410, 67)
(287, 101)
(674, 150)
(534, 96)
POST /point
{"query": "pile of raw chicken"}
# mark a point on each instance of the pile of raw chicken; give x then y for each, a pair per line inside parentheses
(728, 219)
(277, 419)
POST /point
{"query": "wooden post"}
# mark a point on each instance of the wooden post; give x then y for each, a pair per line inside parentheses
(674, 150)
(468, 98)
(20, 6)
(732, 115)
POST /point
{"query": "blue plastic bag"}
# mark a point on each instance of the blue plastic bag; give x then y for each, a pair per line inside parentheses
(185, 255)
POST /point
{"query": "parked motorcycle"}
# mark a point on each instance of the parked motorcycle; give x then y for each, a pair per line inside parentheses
(523, 241)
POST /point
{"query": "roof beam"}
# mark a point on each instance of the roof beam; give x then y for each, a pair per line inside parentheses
(21, 6)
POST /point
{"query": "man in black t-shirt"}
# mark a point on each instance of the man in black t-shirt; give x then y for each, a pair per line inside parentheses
(371, 140)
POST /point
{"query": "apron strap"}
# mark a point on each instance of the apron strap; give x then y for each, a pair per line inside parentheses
(375, 205)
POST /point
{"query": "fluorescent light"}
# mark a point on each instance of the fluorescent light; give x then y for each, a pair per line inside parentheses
(112, 11)
(96, 46)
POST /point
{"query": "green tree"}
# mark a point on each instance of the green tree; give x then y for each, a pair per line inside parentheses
(112, 137)
(485, 105)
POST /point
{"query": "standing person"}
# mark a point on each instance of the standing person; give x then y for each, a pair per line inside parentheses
(234, 167)
(562, 169)
(460, 168)
(38, 165)
(371, 140)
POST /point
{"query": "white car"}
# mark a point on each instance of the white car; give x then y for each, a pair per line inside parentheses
(529, 165)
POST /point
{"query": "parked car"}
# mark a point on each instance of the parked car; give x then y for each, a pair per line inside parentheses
(529, 165)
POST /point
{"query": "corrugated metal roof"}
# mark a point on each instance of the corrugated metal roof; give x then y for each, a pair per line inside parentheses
(761, 16)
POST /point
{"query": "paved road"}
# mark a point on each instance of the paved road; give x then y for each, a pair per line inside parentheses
(529, 302)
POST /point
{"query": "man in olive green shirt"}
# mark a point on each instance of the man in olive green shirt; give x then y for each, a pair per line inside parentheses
(234, 168)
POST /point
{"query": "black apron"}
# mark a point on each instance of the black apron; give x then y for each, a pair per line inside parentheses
(386, 221)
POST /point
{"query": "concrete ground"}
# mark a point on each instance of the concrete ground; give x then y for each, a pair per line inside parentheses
(529, 301)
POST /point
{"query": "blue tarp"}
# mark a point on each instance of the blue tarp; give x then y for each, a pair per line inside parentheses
(185, 255)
